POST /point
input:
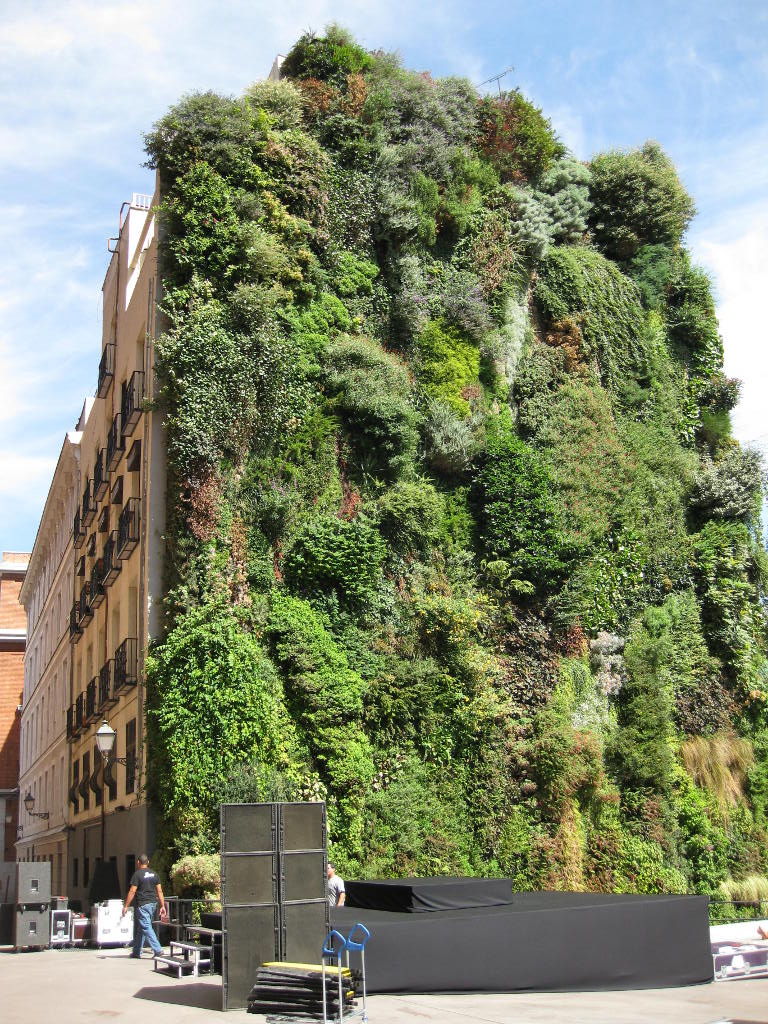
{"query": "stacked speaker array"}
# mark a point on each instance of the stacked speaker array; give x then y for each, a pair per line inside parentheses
(33, 901)
(273, 890)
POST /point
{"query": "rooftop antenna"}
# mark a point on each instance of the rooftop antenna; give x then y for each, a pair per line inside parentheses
(497, 79)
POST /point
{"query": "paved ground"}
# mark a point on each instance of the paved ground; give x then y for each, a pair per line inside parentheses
(77, 986)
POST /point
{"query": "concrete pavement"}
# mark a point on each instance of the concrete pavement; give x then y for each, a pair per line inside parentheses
(78, 986)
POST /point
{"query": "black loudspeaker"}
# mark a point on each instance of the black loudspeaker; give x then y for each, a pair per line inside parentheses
(248, 878)
(303, 876)
(32, 927)
(249, 828)
(33, 882)
(303, 928)
(251, 938)
(302, 827)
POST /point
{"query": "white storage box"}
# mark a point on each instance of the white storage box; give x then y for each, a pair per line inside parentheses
(61, 927)
(108, 926)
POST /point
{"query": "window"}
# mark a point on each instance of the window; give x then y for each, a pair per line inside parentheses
(130, 756)
(130, 867)
(86, 872)
(85, 792)
(75, 873)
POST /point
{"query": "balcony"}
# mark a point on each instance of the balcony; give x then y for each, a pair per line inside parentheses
(71, 731)
(128, 528)
(91, 707)
(75, 631)
(115, 445)
(130, 406)
(78, 531)
(80, 713)
(100, 479)
(89, 505)
(107, 698)
(84, 608)
(106, 370)
(97, 583)
(111, 561)
(125, 665)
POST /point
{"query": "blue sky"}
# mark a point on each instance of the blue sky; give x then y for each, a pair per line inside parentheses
(80, 81)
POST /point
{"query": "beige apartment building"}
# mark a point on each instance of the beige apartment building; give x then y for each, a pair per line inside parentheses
(47, 596)
(92, 595)
(118, 565)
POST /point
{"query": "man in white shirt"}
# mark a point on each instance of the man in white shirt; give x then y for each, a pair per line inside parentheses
(336, 892)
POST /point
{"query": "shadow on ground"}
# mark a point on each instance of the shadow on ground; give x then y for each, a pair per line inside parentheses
(205, 995)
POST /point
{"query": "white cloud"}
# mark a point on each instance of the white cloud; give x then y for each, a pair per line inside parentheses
(739, 267)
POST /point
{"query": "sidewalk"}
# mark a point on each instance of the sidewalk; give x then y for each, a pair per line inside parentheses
(77, 986)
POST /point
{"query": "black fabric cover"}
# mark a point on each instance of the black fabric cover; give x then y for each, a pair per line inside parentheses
(105, 884)
(541, 942)
(420, 895)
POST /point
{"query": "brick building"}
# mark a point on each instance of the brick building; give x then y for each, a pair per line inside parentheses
(13, 637)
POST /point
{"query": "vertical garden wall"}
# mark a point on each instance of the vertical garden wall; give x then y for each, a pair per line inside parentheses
(458, 538)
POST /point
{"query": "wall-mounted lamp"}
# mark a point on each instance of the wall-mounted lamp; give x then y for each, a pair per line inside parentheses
(29, 804)
(105, 741)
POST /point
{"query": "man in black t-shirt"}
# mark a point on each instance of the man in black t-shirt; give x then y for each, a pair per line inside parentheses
(146, 889)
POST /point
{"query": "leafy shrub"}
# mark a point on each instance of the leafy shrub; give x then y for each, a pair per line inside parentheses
(449, 442)
(281, 101)
(372, 392)
(517, 514)
(718, 764)
(580, 283)
(449, 364)
(516, 138)
(214, 699)
(691, 318)
(565, 196)
(198, 875)
(728, 574)
(637, 199)
(409, 515)
(329, 58)
(731, 488)
(342, 556)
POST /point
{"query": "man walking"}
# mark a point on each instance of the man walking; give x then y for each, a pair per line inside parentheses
(145, 887)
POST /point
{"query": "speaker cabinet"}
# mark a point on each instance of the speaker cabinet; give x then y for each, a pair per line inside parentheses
(251, 938)
(302, 827)
(303, 928)
(33, 882)
(249, 828)
(32, 928)
(303, 876)
(248, 878)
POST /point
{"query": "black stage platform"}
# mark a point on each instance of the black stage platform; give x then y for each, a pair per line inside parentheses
(420, 895)
(545, 941)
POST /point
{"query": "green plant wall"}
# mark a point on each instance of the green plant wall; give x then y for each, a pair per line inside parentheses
(458, 536)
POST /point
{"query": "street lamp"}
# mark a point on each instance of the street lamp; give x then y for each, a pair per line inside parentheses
(105, 741)
(29, 804)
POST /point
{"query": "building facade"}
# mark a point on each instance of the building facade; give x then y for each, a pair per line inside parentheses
(47, 597)
(118, 564)
(13, 636)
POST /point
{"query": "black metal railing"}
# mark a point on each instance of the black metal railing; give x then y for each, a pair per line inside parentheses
(115, 445)
(100, 478)
(106, 370)
(78, 531)
(125, 665)
(128, 528)
(106, 686)
(75, 631)
(89, 505)
(91, 707)
(84, 605)
(97, 583)
(130, 405)
(111, 561)
(80, 712)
